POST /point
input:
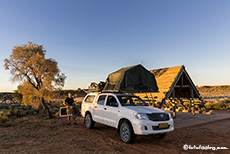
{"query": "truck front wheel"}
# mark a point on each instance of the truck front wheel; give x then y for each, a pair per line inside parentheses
(126, 132)
(89, 123)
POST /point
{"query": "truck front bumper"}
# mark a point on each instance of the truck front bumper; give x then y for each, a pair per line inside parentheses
(147, 127)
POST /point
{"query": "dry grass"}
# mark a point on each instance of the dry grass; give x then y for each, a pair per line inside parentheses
(215, 91)
(36, 135)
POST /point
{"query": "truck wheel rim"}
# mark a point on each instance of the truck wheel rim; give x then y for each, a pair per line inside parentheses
(125, 133)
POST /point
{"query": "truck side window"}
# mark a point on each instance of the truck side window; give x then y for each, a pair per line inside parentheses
(90, 98)
(101, 100)
(111, 101)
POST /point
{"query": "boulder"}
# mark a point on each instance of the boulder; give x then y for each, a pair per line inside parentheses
(211, 112)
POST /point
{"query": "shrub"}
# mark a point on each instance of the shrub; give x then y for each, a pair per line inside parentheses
(228, 106)
(3, 118)
(22, 113)
(218, 105)
(8, 113)
(209, 105)
(56, 109)
(227, 101)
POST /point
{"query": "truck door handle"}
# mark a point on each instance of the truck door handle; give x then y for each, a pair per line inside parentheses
(105, 108)
(95, 106)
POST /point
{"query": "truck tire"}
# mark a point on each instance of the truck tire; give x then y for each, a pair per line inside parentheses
(126, 132)
(160, 136)
(89, 123)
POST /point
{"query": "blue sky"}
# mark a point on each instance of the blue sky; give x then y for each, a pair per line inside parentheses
(92, 38)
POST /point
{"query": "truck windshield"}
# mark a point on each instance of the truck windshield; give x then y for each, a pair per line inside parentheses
(130, 100)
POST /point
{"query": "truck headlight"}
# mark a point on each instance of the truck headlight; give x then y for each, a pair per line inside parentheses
(170, 116)
(141, 116)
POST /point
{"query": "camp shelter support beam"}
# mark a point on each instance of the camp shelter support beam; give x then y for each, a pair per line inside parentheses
(182, 80)
(203, 104)
(184, 86)
(192, 101)
(147, 97)
(162, 103)
(166, 104)
(182, 104)
(152, 99)
(174, 104)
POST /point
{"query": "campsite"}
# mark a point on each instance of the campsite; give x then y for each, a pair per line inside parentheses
(114, 77)
(33, 133)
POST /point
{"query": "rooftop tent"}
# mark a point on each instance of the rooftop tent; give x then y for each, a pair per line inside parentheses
(131, 79)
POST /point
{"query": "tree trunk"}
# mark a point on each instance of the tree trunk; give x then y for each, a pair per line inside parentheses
(46, 108)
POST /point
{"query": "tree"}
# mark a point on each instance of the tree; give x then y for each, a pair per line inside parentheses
(17, 96)
(37, 75)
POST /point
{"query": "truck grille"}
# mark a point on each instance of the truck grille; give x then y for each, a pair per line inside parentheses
(157, 128)
(158, 116)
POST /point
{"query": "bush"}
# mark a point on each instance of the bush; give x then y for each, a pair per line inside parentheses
(227, 101)
(8, 113)
(228, 106)
(22, 113)
(218, 105)
(3, 118)
(209, 105)
(56, 109)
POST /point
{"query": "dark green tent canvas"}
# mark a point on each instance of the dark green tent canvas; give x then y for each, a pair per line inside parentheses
(131, 79)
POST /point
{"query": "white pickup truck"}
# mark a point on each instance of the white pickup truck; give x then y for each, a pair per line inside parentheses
(127, 113)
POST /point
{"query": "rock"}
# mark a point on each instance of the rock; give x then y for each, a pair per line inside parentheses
(211, 112)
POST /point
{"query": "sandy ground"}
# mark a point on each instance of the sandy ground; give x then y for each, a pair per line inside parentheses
(36, 135)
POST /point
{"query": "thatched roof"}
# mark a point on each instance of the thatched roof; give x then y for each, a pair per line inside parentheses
(173, 78)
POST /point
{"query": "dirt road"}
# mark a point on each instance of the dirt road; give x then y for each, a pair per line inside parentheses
(34, 135)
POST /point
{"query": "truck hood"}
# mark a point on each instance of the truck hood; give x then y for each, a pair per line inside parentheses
(144, 109)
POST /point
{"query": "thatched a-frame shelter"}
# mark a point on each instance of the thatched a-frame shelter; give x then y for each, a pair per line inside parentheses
(174, 84)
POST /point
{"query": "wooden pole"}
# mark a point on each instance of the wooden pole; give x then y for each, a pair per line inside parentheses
(203, 104)
(192, 102)
(162, 103)
(174, 105)
(147, 99)
(166, 105)
(182, 104)
(182, 80)
(152, 99)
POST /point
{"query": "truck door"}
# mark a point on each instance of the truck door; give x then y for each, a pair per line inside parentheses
(98, 110)
(111, 111)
